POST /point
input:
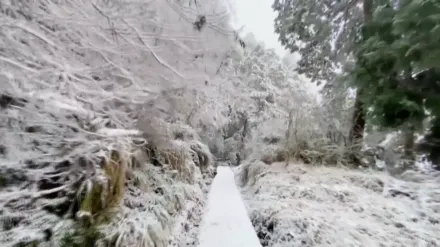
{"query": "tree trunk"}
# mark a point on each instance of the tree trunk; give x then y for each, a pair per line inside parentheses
(408, 133)
(368, 11)
(288, 134)
(408, 146)
(356, 134)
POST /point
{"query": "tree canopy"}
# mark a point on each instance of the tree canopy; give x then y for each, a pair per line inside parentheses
(394, 56)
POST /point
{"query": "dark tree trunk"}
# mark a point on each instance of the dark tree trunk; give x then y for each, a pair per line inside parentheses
(368, 11)
(356, 134)
(408, 146)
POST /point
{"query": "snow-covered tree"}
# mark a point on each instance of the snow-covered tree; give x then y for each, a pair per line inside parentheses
(324, 33)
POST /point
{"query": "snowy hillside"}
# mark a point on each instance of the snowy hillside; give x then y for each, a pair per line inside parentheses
(99, 119)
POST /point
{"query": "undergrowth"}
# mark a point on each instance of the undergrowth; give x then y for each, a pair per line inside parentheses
(306, 137)
(303, 205)
(76, 77)
(98, 203)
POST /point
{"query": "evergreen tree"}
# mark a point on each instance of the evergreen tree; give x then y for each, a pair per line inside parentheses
(398, 67)
(395, 49)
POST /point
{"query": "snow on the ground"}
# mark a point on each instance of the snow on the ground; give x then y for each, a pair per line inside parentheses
(326, 206)
(226, 222)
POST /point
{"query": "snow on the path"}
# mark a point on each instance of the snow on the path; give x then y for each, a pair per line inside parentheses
(226, 222)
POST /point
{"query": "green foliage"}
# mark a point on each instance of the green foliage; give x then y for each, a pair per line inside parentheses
(432, 140)
(97, 204)
(396, 56)
(33, 243)
(398, 63)
(83, 236)
(401, 41)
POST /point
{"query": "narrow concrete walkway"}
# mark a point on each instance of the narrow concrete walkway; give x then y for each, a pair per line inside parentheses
(226, 223)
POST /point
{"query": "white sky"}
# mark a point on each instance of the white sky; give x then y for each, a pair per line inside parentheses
(257, 17)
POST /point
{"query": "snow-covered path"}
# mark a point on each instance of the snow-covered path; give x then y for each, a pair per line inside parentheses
(226, 222)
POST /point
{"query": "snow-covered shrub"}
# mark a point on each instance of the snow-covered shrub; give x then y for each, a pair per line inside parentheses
(299, 133)
(108, 187)
(262, 91)
(302, 205)
(247, 173)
